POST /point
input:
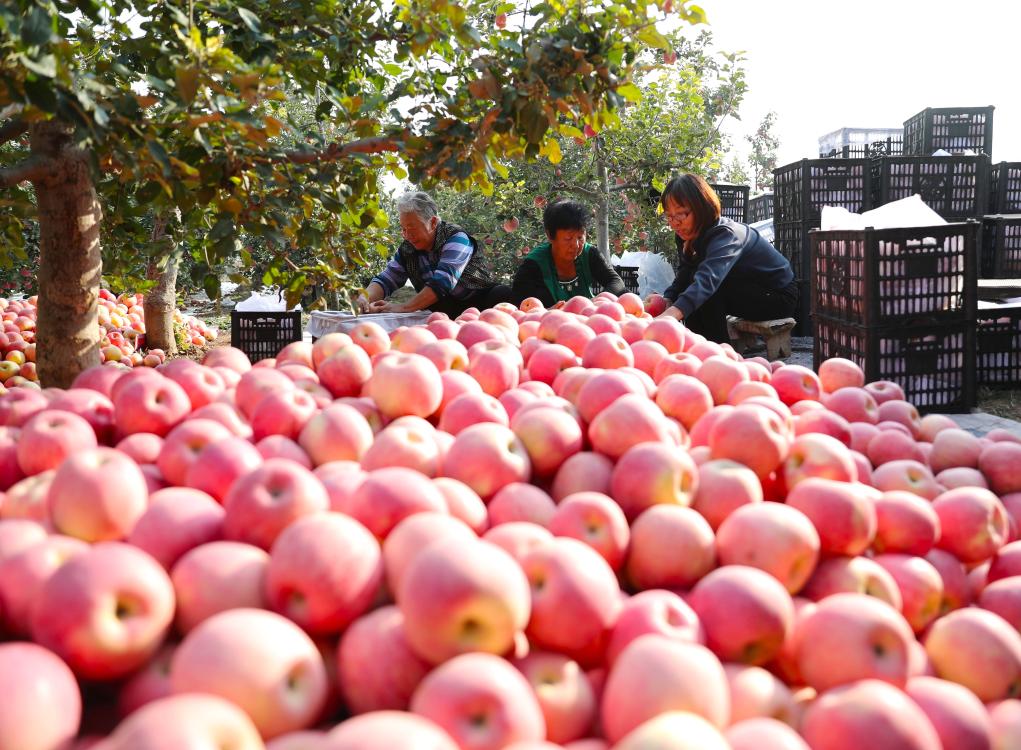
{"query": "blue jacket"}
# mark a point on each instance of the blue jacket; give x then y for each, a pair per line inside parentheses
(726, 248)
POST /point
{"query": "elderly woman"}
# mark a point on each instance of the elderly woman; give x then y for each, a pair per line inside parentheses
(446, 265)
(725, 267)
(565, 266)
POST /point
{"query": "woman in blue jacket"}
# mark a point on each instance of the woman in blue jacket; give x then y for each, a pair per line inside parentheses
(724, 267)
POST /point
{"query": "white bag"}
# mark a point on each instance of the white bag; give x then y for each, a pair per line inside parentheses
(264, 302)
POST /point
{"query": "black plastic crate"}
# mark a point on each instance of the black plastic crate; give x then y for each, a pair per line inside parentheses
(933, 361)
(880, 277)
(791, 239)
(733, 201)
(261, 335)
(885, 147)
(629, 275)
(760, 208)
(955, 187)
(998, 347)
(1001, 247)
(802, 188)
(953, 129)
(1005, 188)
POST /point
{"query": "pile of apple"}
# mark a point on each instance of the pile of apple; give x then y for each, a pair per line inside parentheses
(121, 320)
(579, 528)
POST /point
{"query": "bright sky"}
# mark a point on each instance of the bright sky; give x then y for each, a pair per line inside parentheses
(822, 65)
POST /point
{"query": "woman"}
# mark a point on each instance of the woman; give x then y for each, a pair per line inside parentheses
(445, 265)
(566, 266)
(725, 267)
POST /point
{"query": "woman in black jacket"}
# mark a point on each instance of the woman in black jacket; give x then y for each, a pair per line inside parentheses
(566, 266)
(724, 268)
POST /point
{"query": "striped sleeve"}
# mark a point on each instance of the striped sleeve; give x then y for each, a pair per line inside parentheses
(393, 276)
(453, 258)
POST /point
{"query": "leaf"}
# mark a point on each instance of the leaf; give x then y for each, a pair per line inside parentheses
(222, 228)
(630, 92)
(534, 122)
(553, 152)
(37, 29)
(250, 20)
(41, 94)
(211, 283)
(187, 83)
(651, 36)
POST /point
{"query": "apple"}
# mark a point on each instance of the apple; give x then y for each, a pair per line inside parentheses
(860, 575)
(414, 534)
(549, 435)
(868, 713)
(263, 503)
(656, 675)
(999, 462)
(565, 695)
(920, 585)
(908, 475)
(685, 398)
(409, 442)
(814, 455)
(18, 534)
(51, 436)
(394, 730)
(149, 404)
(746, 613)
(23, 574)
(219, 465)
(575, 599)
(97, 494)
(844, 516)
(182, 445)
(750, 435)
(779, 539)
(216, 577)
(462, 503)
(654, 612)
(384, 497)
(518, 502)
(672, 547)
(628, 421)
(756, 693)
(177, 520)
(853, 404)
(42, 706)
(596, 520)
(973, 521)
(260, 662)
(486, 457)
(282, 413)
(337, 433)
(836, 373)
(884, 390)
(905, 523)
(227, 356)
(959, 718)
(105, 611)
(459, 598)
(979, 650)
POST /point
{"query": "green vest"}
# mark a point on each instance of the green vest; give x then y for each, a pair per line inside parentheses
(542, 255)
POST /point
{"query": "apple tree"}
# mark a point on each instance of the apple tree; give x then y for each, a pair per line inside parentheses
(686, 95)
(183, 105)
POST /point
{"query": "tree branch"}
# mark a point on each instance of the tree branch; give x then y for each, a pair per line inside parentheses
(335, 151)
(32, 169)
(576, 189)
(13, 129)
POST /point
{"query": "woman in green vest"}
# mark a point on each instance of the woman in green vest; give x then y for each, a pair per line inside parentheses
(565, 266)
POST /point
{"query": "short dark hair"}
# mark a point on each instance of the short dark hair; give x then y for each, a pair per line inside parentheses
(564, 214)
(694, 192)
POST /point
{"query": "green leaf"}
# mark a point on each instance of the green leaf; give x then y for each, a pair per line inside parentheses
(250, 19)
(392, 69)
(37, 29)
(211, 284)
(179, 18)
(651, 36)
(630, 92)
(221, 229)
(41, 94)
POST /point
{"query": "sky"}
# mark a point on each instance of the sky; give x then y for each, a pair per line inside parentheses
(823, 65)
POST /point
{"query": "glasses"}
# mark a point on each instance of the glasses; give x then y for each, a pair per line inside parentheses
(677, 217)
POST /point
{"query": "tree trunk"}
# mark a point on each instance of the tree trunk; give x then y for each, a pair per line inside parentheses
(602, 203)
(70, 266)
(161, 300)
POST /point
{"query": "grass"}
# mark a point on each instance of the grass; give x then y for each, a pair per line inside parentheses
(1000, 402)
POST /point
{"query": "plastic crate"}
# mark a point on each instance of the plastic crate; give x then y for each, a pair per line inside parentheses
(1001, 247)
(760, 208)
(887, 147)
(953, 129)
(733, 201)
(933, 361)
(629, 275)
(881, 277)
(955, 187)
(998, 347)
(1005, 188)
(261, 335)
(802, 188)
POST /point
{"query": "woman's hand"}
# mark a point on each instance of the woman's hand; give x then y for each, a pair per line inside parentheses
(381, 306)
(672, 312)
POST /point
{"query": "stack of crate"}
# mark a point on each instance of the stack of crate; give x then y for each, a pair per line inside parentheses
(760, 208)
(800, 190)
(1001, 244)
(902, 304)
(733, 201)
